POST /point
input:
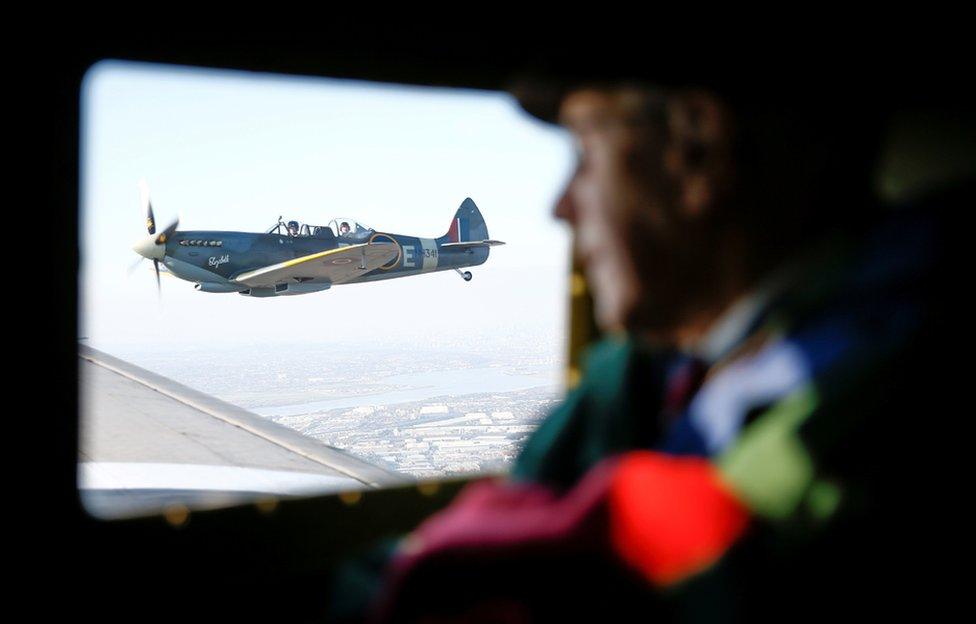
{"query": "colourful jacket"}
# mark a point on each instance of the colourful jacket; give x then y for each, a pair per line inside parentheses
(725, 484)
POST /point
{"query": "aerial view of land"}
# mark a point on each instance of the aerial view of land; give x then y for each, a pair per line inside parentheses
(428, 410)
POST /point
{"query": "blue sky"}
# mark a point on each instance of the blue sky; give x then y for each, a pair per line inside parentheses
(233, 150)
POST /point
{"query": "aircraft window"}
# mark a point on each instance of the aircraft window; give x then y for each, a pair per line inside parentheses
(281, 229)
(320, 230)
(410, 371)
(345, 227)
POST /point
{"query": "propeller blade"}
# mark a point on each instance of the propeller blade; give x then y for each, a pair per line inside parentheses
(165, 234)
(133, 267)
(147, 205)
(153, 246)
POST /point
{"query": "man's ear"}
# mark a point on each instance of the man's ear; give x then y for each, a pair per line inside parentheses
(699, 151)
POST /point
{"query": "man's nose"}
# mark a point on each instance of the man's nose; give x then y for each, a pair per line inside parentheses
(565, 208)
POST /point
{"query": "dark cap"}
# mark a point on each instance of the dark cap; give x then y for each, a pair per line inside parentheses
(819, 81)
(541, 87)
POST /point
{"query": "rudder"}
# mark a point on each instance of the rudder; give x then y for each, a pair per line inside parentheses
(467, 225)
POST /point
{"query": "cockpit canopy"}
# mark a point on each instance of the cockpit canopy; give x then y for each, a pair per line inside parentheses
(343, 227)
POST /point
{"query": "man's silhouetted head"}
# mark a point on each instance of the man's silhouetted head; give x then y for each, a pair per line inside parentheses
(683, 198)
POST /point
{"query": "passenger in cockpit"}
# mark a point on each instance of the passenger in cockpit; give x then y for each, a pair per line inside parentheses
(293, 228)
(343, 229)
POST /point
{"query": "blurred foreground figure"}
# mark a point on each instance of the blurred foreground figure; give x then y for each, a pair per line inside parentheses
(738, 445)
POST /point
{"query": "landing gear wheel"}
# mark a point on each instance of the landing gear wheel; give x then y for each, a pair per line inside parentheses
(467, 276)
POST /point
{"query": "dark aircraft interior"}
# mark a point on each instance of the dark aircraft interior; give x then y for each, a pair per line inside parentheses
(255, 562)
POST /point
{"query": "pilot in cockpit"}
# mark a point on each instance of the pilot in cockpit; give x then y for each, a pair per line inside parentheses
(293, 228)
(344, 229)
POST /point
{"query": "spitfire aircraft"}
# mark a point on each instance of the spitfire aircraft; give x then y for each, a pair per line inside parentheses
(298, 258)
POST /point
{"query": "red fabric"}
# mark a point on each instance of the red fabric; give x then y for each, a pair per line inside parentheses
(499, 514)
(667, 517)
(682, 385)
(499, 520)
(671, 516)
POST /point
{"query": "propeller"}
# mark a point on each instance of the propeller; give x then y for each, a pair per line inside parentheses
(133, 267)
(153, 246)
(145, 201)
(151, 227)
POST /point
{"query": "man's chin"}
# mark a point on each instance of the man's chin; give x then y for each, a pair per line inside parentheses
(612, 313)
(638, 318)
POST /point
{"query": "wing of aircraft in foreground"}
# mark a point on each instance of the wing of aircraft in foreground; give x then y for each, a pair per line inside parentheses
(148, 442)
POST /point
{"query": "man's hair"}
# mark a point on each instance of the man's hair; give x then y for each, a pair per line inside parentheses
(800, 165)
(802, 170)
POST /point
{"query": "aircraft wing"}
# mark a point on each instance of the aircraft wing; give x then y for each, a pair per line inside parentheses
(472, 244)
(334, 265)
(148, 442)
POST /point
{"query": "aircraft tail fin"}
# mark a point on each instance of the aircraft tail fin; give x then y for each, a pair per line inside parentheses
(467, 225)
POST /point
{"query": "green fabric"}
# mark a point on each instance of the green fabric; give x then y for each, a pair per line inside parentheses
(823, 499)
(357, 581)
(769, 467)
(611, 411)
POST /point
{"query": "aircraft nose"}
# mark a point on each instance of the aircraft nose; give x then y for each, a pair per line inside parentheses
(147, 248)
